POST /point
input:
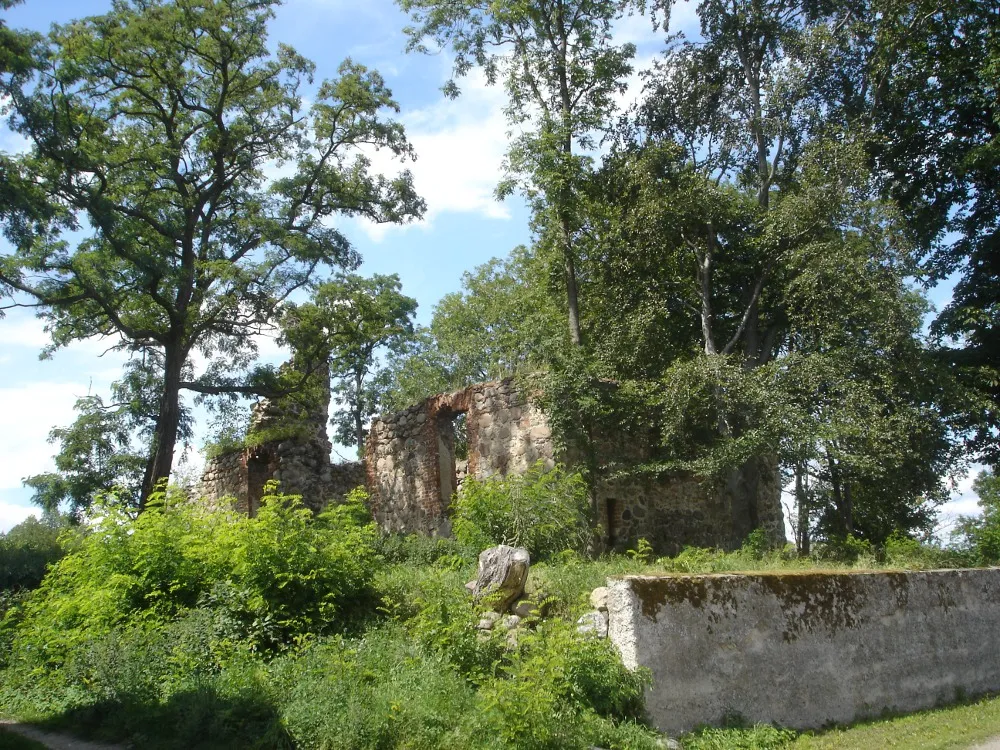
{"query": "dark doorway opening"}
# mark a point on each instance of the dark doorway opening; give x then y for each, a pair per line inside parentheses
(611, 510)
(258, 474)
(453, 453)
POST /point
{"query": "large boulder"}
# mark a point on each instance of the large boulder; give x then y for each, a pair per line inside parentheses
(503, 571)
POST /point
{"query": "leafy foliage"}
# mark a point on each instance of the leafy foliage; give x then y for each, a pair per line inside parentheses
(153, 125)
(27, 550)
(272, 577)
(981, 535)
(545, 511)
(354, 321)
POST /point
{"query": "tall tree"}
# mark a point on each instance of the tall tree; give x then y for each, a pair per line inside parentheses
(917, 79)
(503, 322)
(155, 128)
(102, 452)
(562, 70)
(356, 321)
(936, 136)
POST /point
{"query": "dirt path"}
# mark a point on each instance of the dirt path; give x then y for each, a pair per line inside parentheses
(55, 740)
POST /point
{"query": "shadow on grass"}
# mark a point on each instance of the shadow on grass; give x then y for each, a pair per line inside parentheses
(196, 719)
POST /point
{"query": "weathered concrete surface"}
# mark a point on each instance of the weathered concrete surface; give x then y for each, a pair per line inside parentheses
(805, 650)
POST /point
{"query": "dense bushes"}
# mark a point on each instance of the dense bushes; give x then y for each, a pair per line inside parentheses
(544, 511)
(186, 628)
(26, 551)
(265, 580)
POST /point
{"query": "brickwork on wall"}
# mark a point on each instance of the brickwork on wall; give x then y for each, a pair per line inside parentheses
(412, 471)
(412, 474)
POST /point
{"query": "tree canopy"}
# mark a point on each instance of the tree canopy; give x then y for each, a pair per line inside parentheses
(192, 186)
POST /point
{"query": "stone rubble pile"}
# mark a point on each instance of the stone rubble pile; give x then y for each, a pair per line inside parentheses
(595, 622)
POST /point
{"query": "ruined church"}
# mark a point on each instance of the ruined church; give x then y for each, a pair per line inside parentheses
(416, 459)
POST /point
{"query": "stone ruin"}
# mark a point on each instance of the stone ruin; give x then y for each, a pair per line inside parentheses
(413, 469)
(287, 442)
(416, 459)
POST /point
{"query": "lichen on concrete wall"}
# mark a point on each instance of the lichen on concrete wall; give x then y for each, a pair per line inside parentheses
(806, 649)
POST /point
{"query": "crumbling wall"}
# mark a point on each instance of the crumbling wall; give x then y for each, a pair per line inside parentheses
(412, 467)
(413, 473)
(806, 649)
(288, 443)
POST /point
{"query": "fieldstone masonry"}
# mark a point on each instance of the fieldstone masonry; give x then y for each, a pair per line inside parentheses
(414, 464)
(298, 458)
(413, 471)
(411, 458)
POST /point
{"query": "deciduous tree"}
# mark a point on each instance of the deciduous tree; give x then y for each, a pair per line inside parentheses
(178, 146)
(562, 70)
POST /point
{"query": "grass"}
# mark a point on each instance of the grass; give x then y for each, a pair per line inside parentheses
(953, 728)
(942, 729)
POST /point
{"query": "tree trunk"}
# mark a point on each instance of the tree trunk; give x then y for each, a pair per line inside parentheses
(359, 428)
(705, 291)
(572, 299)
(167, 424)
(802, 543)
(848, 509)
(743, 486)
(841, 496)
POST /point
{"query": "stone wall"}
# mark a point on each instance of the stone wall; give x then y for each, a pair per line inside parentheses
(413, 471)
(804, 650)
(297, 457)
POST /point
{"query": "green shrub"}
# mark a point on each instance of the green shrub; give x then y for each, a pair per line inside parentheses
(420, 549)
(902, 551)
(381, 691)
(757, 737)
(850, 550)
(26, 552)
(545, 511)
(267, 579)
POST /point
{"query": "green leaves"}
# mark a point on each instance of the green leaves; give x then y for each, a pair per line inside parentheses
(545, 511)
(277, 575)
(159, 126)
(350, 323)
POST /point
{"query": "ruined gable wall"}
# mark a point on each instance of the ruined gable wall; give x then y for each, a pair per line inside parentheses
(412, 473)
(298, 459)
(225, 478)
(507, 432)
(411, 463)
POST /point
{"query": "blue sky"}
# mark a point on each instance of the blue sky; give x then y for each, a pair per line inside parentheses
(459, 144)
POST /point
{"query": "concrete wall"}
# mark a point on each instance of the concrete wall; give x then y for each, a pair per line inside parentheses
(804, 650)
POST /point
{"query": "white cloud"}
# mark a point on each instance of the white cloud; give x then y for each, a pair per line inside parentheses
(12, 514)
(13, 143)
(460, 145)
(21, 330)
(27, 414)
(963, 502)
